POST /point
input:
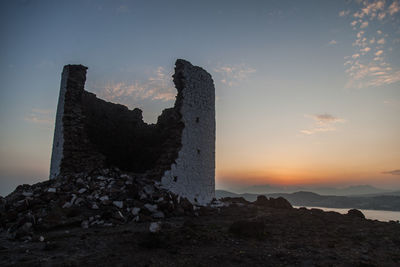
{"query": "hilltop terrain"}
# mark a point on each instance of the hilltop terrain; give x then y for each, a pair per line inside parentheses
(383, 201)
(58, 223)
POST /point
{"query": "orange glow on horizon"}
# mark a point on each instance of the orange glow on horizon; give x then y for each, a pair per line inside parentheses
(286, 177)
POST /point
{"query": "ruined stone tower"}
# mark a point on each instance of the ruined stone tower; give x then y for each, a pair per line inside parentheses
(178, 151)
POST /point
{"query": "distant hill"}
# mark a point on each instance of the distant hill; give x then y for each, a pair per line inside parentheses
(345, 191)
(303, 198)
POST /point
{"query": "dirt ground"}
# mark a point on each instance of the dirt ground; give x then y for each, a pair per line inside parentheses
(238, 235)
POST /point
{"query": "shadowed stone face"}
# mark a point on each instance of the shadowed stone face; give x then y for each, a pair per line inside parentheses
(179, 150)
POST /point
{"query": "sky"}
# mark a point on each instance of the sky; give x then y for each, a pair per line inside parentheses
(307, 92)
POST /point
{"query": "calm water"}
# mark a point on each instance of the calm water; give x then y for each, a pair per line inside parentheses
(380, 215)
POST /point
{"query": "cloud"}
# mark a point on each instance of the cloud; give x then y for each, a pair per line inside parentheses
(394, 8)
(158, 87)
(365, 50)
(381, 41)
(333, 42)
(394, 172)
(322, 123)
(344, 13)
(381, 15)
(362, 66)
(40, 116)
(325, 118)
(364, 25)
(234, 74)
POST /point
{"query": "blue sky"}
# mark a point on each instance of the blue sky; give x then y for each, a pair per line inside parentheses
(308, 92)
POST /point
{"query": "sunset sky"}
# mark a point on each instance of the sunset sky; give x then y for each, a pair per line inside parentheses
(308, 92)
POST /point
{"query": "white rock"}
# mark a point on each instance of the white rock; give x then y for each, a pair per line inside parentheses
(155, 227)
(121, 215)
(79, 181)
(95, 207)
(158, 215)
(151, 208)
(85, 224)
(78, 200)
(82, 190)
(41, 238)
(135, 211)
(52, 190)
(27, 194)
(103, 198)
(118, 204)
(160, 199)
(67, 205)
(73, 199)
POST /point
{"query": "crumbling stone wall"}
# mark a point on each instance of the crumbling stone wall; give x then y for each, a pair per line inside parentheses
(192, 173)
(179, 150)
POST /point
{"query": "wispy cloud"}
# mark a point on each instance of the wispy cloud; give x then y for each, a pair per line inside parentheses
(364, 24)
(395, 103)
(344, 13)
(368, 65)
(394, 172)
(322, 123)
(39, 116)
(333, 42)
(394, 8)
(158, 86)
(234, 74)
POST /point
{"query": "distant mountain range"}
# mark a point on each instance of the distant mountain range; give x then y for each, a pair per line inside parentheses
(385, 201)
(345, 191)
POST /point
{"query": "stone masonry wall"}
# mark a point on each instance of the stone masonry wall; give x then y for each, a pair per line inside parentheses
(179, 150)
(192, 174)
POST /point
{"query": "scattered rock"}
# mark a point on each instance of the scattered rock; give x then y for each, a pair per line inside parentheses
(151, 208)
(355, 213)
(52, 190)
(277, 203)
(118, 204)
(82, 190)
(135, 211)
(155, 227)
(158, 215)
(27, 194)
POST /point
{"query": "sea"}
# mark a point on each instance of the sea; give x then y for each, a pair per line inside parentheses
(380, 215)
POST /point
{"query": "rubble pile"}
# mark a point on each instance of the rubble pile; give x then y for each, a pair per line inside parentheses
(106, 198)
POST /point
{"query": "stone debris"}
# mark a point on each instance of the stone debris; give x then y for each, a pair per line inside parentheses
(118, 204)
(151, 208)
(82, 190)
(356, 213)
(27, 194)
(106, 198)
(135, 211)
(155, 227)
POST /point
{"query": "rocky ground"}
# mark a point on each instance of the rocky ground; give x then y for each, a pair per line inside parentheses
(111, 218)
